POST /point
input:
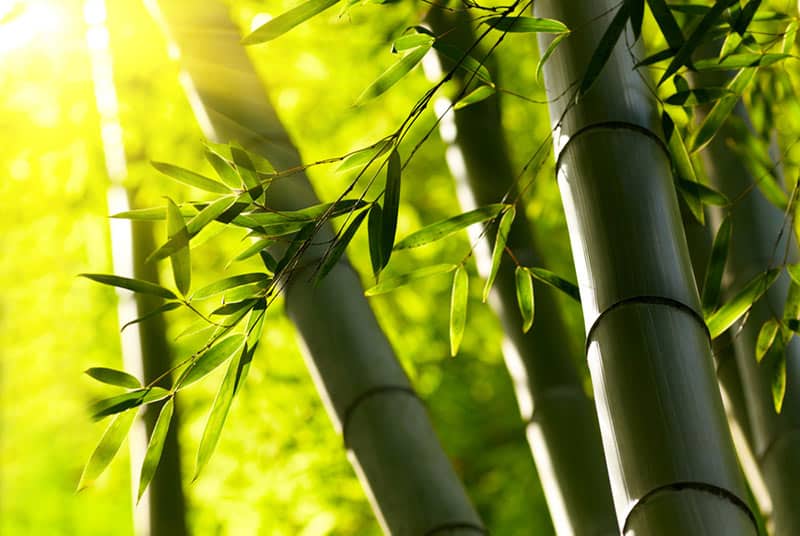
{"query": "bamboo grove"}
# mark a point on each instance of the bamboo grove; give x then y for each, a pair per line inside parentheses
(680, 199)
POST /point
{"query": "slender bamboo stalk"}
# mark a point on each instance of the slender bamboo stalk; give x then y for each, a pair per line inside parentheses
(561, 422)
(671, 461)
(391, 443)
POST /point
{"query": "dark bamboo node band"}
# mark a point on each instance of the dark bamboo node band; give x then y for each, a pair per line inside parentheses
(648, 300)
(703, 487)
(612, 125)
(369, 393)
(455, 526)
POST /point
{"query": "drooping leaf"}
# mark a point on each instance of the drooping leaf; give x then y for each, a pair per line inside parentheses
(499, 248)
(463, 60)
(707, 195)
(218, 287)
(458, 308)
(286, 21)
(224, 170)
(525, 25)
(667, 23)
(524, 283)
(778, 383)
(766, 336)
(477, 95)
(106, 449)
(360, 158)
(114, 377)
(412, 40)
(191, 178)
(721, 110)
(683, 166)
(547, 53)
(233, 308)
(604, 49)
(391, 205)
(136, 285)
(247, 170)
(739, 61)
(444, 228)
(725, 316)
(164, 308)
(392, 283)
(180, 258)
(696, 97)
(131, 399)
(557, 282)
(374, 223)
(255, 325)
(337, 250)
(211, 359)
(393, 74)
(155, 446)
(716, 267)
(636, 13)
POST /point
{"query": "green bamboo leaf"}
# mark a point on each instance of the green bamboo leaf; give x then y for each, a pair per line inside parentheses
(794, 272)
(361, 158)
(286, 21)
(636, 13)
(746, 16)
(275, 221)
(210, 213)
(778, 383)
(149, 214)
(789, 37)
(458, 308)
(525, 25)
(766, 336)
(391, 205)
(335, 253)
(477, 95)
(210, 360)
(656, 57)
(230, 309)
(499, 247)
(216, 419)
(444, 228)
(295, 246)
(254, 248)
(191, 178)
(684, 54)
(224, 169)
(604, 49)
(696, 97)
(247, 171)
(393, 74)
(136, 285)
(693, 10)
(525, 296)
(732, 42)
(559, 283)
(725, 316)
(131, 399)
(549, 52)
(155, 446)
(374, 223)
(218, 287)
(390, 284)
(721, 110)
(245, 292)
(255, 325)
(739, 61)
(716, 267)
(683, 165)
(463, 61)
(106, 449)
(413, 40)
(707, 195)
(166, 307)
(667, 23)
(114, 377)
(180, 258)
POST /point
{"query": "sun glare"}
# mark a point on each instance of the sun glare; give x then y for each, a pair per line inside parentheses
(23, 21)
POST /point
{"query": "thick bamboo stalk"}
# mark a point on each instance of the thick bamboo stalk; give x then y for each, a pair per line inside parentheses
(561, 422)
(671, 461)
(391, 443)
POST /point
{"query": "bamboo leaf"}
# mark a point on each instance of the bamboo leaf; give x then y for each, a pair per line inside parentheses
(683, 166)
(335, 253)
(656, 57)
(247, 171)
(224, 169)
(180, 258)
(636, 13)
(778, 383)
(458, 308)
(725, 316)
(667, 23)
(166, 307)
(716, 267)
(114, 377)
(477, 95)
(131, 399)
(155, 446)
(499, 248)
(444, 228)
(136, 285)
(255, 325)
(253, 248)
(300, 238)
(707, 195)
(391, 204)
(412, 40)
(390, 284)
(604, 49)
(547, 53)
(374, 224)
(766, 336)
(393, 74)
(739, 61)
(746, 16)
(794, 272)
(286, 21)
(216, 419)
(191, 178)
(525, 25)
(463, 61)
(276, 220)
(210, 213)
(222, 285)
(789, 37)
(524, 283)
(721, 110)
(558, 283)
(210, 360)
(106, 449)
(362, 157)
(696, 97)
(233, 308)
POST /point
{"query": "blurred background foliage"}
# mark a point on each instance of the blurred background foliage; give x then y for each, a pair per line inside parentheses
(279, 467)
